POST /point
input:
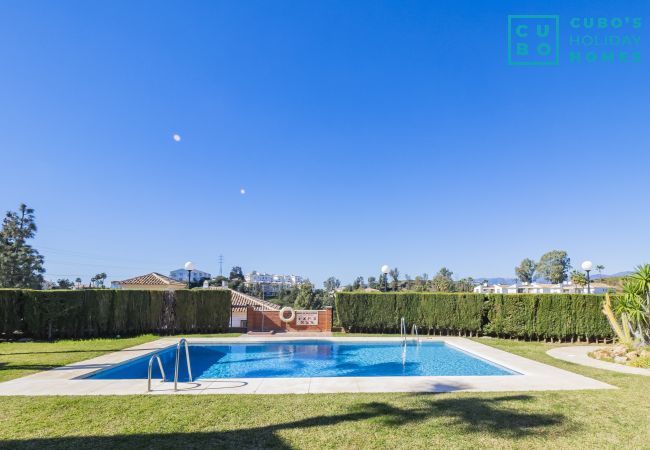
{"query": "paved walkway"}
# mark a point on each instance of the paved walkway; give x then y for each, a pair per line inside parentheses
(72, 379)
(286, 334)
(580, 355)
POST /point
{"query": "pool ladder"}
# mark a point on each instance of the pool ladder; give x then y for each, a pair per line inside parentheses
(156, 357)
(403, 333)
(414, 332)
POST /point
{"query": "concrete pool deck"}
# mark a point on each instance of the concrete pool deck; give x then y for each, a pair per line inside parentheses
(69, 380)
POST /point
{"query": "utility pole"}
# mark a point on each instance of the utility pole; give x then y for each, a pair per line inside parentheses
(220, 265)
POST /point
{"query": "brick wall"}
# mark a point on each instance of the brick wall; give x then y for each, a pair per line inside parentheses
(270, 321)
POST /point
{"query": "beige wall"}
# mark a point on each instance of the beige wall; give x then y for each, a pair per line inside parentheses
(237, 317)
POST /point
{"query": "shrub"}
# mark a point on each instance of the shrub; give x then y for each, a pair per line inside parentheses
(529, 316)
(430, 311)
(203, 311)
(107, 312)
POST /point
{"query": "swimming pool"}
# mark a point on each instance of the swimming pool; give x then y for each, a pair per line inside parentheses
(302, 359)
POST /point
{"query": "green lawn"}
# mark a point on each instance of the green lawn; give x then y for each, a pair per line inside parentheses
(578, 419)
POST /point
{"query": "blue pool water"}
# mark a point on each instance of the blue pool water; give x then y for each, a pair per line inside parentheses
(312, 359)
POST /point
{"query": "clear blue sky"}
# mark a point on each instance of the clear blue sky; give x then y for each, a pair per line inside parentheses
(364, 133)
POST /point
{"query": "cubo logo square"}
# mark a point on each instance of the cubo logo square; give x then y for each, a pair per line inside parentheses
(533, 40)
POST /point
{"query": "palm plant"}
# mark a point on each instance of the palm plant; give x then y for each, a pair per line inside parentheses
(633, 308)
(578, 278)
(640, 280)
(621, 329)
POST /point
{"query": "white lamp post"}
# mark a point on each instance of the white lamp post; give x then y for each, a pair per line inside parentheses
(385, 269)
(586, 266)
(189, 266)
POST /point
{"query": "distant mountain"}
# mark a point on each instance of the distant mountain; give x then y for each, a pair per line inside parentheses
(496, 280)
(615, 275)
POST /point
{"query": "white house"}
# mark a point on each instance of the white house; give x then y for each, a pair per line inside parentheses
(182, 275)
(540, 288)
(272, 283)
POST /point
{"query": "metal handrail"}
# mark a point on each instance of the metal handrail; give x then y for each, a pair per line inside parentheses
(187, 357)
(155, 356)
(402, 329)
(414, 331)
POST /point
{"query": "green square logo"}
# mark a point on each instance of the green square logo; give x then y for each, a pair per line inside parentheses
(533, 40)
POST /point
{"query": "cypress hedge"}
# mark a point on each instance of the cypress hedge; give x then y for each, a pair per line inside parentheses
(198, 312)
(109, 312)
(528, 316)
(432, 312)
(543, 316)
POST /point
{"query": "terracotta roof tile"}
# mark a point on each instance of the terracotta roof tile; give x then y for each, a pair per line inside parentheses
(241, 301)
(152, 279)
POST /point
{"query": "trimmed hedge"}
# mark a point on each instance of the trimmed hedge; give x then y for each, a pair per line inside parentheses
(529, 316)
(430, 311)
(542, 316)
(198, 310)
(108, 312)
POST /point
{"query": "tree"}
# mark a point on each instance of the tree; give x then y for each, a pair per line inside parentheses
(554, 266)
(98, 280)
(443, 281)
(408, 282)
(305, 298)
(321, 299)
(382, 284)
(64, 283)
(358, 284)
(421, 282)
(78, 282)
(236, 273)
(236, 285)
(218, 281)
(329, 292)
(331, 284)
(578, 278)
(287, 297)
(101, 277)
(394, 274)
(526, 270)
(599, 269)
(372, 283)
(465, 285)
(21, 266)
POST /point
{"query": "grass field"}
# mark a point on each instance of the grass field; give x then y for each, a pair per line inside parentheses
(571, 419)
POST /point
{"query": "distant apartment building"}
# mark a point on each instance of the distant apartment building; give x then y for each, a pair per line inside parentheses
(540, 288)
(272, 283)
(182, 275)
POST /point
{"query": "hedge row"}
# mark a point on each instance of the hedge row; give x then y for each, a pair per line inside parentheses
(542, 316)
(108, 312)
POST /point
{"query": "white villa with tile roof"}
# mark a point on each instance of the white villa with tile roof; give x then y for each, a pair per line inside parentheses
(541, 288)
